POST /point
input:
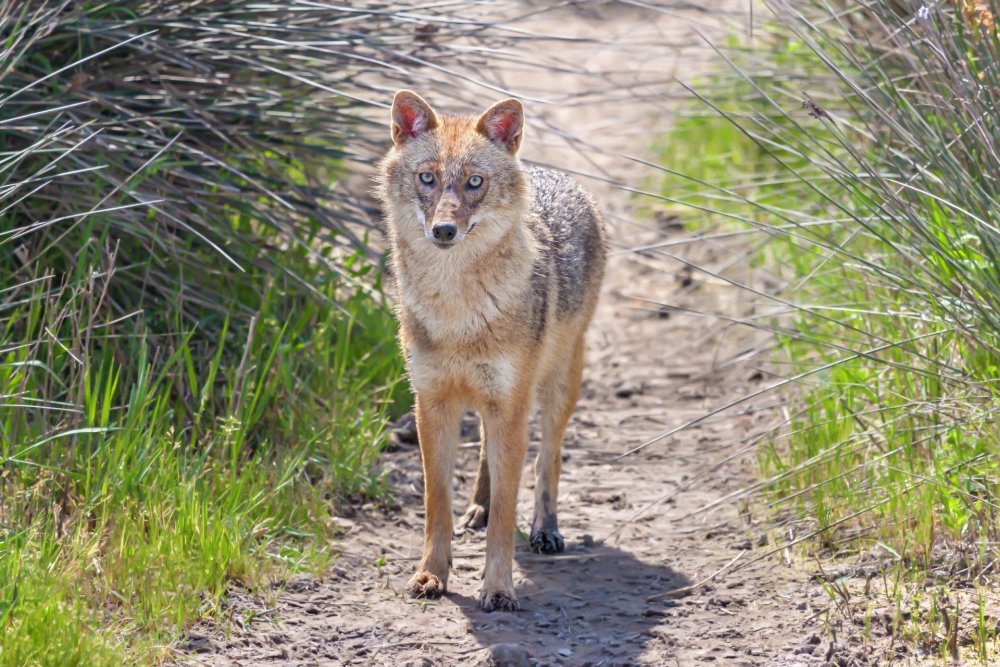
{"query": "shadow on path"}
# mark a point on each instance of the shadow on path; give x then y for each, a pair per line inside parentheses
(585, 606)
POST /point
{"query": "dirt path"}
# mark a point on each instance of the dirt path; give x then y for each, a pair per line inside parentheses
(647, 372)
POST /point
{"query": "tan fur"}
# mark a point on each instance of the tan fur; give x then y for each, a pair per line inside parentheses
(467, 330)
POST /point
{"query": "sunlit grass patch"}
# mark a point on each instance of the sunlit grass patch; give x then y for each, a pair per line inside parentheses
(197, 358)
(137, 516)
(854, 154)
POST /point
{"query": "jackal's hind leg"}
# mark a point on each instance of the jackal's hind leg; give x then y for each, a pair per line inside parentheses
(557, 395)
(477, 516)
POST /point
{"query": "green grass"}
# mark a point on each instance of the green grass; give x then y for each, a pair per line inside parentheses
(834, 147)
(197, 359)
(131, 518)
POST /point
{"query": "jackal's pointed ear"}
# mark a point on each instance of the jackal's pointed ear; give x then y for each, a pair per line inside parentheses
(411, 117)
(502, 124)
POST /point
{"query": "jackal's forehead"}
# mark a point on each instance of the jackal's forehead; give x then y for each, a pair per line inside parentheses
(453, 147)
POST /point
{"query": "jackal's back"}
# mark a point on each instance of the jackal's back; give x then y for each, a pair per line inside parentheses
(568, 227)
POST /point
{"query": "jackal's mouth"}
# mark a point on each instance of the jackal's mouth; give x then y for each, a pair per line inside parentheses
(444, 245)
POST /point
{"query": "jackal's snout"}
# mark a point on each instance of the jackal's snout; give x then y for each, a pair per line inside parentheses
(449, 223)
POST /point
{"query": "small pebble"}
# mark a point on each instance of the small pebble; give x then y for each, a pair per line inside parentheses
(508, 655)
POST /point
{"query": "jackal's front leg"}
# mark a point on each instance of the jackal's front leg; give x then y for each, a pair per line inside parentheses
(506, 434)
(438, 431)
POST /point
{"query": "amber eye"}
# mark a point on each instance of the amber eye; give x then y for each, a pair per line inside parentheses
(475, 181)
(427, 178)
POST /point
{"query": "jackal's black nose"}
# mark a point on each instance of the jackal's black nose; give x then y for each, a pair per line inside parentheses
(444, 232)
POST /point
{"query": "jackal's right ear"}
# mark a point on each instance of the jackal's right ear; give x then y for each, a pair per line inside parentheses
(502, 124)
(411, 117)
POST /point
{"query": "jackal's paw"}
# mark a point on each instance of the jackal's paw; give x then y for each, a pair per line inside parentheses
(425, 585)
(498, 601)
(475, 518)
(546, 541)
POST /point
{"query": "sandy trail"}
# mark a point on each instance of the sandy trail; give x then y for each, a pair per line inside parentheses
(647, 372)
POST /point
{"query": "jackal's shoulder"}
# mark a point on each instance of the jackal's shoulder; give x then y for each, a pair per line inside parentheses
(568, 226)
(557, 195)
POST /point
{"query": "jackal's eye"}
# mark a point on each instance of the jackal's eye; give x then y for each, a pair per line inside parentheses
(475, 181)
(427, 178)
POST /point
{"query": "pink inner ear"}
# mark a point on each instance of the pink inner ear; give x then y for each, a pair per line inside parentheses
(411, 120)
(503, 126)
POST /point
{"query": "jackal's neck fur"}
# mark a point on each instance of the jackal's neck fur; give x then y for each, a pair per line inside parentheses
(456, 293)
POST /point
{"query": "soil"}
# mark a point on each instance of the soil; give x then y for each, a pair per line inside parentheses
(646, 578)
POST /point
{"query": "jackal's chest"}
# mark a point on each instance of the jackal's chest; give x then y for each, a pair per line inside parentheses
(456, 308)
(466, 340)
(452, 316)
(474, 378)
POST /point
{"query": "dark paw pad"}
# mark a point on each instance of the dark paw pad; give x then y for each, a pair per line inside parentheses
(475, 518)
(498, 601)
(547, 541)
(425, 585)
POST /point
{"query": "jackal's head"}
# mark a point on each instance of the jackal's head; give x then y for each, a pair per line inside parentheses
(451, 180)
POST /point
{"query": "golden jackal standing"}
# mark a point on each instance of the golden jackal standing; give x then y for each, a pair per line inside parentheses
(498, 269)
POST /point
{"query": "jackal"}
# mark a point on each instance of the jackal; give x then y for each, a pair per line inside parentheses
(498, 268)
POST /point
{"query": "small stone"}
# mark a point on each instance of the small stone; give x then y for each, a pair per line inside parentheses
(342, 524)
(587, 540)
(420, 662)
(809, 646)
(565, 652)
(629, 388)
(198, 644)
(404, 431)
(470, 427)
(507, 655)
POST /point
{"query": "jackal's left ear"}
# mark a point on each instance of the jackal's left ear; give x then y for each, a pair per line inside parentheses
(502, 124)
(411, 116)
